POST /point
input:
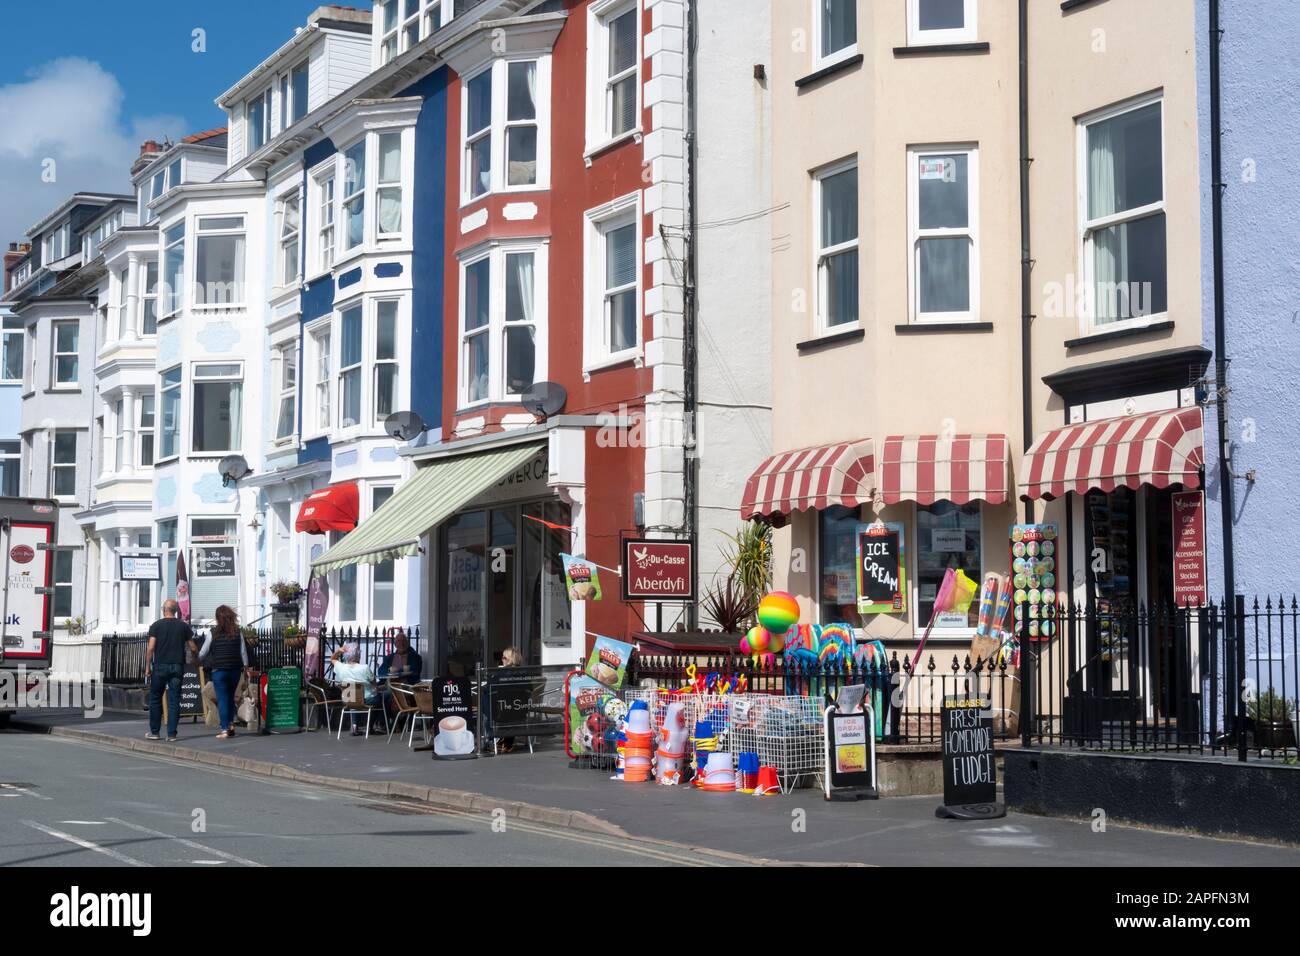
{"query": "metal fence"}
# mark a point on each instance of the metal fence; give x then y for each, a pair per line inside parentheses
(123, 656)
(908, 703)
(1221, 679)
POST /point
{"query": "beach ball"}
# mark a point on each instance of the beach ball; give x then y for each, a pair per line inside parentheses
(756, 641)
(778, 611)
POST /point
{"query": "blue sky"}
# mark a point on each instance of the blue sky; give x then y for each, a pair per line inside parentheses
(85, 81)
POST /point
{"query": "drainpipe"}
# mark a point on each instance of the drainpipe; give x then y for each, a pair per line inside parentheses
(1220, 332)
(1026, 262)
(690, 478)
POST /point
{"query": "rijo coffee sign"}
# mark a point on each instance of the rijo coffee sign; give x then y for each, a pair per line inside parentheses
(658, 570)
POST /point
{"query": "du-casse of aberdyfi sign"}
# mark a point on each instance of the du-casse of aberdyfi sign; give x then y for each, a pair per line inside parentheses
(658, 570)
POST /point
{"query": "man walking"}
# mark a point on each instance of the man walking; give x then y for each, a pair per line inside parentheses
(165, 666)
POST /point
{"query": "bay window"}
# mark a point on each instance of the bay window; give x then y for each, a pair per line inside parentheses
(320, 344)
(290, 222)
(354, 194)
(943, 191)
(120, 460)
(174, 267)
(145, 429)
(325, 222)
(388, 205)
(502, 323)
(219, 261)
(836, 191)
(286, 420)
(521, 123)
(170, 393)
(385, 391)
(1124, 253)
(836, 26)
(149, 297)
(947, 536)
(67, 357)
(478, 134)
(940, 21)
(216, 407)
(350, 356)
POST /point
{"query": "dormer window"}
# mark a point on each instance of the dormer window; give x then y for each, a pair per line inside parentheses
(56, 244)
(293, 95)
(386, 16)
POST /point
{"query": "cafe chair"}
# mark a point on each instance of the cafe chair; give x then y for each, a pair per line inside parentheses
(407, 708)
(352, 693)
(318, 697)
(426, 716)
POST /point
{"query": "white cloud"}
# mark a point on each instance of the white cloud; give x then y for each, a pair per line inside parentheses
(69, 110)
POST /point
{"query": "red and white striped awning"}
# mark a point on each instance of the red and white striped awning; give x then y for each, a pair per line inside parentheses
(930, 468)
(1157, 448)
(841, 474)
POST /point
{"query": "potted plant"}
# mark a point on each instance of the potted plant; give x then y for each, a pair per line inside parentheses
(729, 605)
(287, 593)
(249, 634)
(295, 636)
(1271, 714)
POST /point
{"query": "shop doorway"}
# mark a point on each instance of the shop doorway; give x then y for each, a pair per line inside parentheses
(501, 584)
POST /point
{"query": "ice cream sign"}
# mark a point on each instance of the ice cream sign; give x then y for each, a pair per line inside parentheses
(658, 570)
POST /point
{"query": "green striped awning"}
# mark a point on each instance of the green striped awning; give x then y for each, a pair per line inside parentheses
(431, 496)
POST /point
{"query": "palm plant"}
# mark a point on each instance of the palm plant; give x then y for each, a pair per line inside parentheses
(729, 606)
(749, 555)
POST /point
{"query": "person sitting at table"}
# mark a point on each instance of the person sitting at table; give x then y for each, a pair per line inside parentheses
(403, 665)
(348, 669)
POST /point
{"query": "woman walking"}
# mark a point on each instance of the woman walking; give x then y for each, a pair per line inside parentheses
(225, 654)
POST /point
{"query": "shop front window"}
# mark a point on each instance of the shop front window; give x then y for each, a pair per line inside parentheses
(947, 536)
(464, 564)
(837, 591)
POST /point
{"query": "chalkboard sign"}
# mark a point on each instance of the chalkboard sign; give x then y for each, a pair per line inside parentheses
(454, 737)
(283, 692)
(192, 702)
(969, 772)
(881, 569)
(524, 701)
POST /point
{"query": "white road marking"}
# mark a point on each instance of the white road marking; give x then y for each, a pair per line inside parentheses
(85, 844)
(184, 842)
(208, 862)
(85, 823)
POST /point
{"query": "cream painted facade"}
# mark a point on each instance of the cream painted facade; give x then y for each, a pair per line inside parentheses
(893, 379)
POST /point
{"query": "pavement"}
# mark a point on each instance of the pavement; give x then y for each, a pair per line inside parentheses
(542, 789)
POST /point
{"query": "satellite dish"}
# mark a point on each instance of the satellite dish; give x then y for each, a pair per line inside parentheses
(232, 468)
(404, 425)
(544, 399)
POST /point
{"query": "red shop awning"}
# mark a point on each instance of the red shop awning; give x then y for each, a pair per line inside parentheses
(1157, 448)
(930, 468)
(817, 478)
(334, 508)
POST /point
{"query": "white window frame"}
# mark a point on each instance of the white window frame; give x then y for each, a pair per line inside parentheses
(286, 360)
(293, 113)
(390, 185)
(324, 197)
(198, 378)
(496, 255)
(143, 431)
(598, 221)
(359, 367)
(56, 242)
(395, 361)
(600, 133)
(496, 131)
(215, 232)
(345, 199)
(844, 52)
(390, 563)
(268, 116)
(918, 37)
(12, 330)
(55, 355)
(288, 238)
(319, 338)
(164, 389)
(56, 466)
(820, 254)
(174, 301)
(118, 437)
(915, 234)
(385, 53)
(59, 584)
(1088, 227)
(145, 296)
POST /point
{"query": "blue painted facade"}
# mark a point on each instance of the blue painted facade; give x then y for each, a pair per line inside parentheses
(1260, 127)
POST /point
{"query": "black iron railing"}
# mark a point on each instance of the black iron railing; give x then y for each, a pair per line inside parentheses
(1221, 679)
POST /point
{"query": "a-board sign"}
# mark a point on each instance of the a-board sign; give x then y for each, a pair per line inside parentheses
(453, 730)
(523, 701)
(969, 771)
(139, 567)
(850, 749)
(881, 569)
(192, 703)
(283, 692)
